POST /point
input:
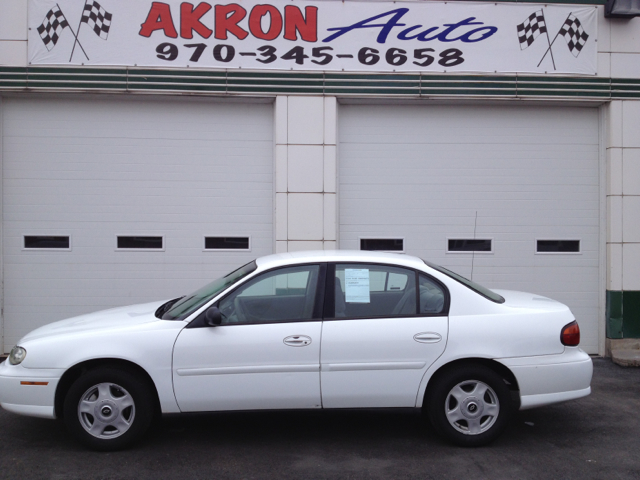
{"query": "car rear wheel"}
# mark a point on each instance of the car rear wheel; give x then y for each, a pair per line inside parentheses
(469, 405)
(108, 409)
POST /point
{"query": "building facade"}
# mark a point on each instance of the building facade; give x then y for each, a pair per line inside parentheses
(149, 147)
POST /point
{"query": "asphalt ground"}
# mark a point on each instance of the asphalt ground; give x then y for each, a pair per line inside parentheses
(597, 437)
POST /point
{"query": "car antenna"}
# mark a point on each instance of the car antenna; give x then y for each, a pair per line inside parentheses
(473, 252)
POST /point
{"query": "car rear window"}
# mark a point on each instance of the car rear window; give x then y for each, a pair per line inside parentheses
(485, 292)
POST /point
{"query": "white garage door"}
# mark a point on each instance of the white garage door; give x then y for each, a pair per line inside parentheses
(436, 176)
(176, 170)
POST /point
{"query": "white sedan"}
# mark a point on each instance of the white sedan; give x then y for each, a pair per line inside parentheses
(305, 330)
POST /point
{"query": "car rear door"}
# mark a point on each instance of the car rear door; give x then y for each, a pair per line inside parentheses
(380, 334)
(265, 354)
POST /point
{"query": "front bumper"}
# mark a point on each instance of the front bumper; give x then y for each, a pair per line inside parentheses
(28, 391)
(549, 379)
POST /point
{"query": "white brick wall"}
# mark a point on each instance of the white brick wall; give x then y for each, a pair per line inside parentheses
(619, 57)
(305, 153)
(13, 32)
(618, 47)
(623, 194)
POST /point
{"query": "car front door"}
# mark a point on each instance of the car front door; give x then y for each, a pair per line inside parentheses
(264, 354)
(381, 335)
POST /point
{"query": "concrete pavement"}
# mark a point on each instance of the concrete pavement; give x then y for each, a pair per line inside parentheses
(597, 437)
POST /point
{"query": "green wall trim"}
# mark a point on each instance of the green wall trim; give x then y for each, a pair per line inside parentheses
(267, 83)
(630, 314)
(623, 314)
(614, 314)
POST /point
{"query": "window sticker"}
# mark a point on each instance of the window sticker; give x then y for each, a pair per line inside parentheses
(357, 285)
(397, 281)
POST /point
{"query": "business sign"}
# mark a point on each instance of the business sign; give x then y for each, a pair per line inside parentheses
(320, 35)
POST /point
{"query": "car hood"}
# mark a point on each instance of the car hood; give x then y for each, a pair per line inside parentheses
(103, 320)
(531, 301)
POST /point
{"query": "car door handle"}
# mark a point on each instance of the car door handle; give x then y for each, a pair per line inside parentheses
(297, 341)
(427, 337)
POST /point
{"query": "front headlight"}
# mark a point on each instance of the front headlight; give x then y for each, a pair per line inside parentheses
(17, 355)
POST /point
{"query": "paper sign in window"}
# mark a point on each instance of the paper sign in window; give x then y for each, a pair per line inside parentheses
(357, 285)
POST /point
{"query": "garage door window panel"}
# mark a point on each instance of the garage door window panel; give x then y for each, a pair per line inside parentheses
(466, 245)
(382, 244)
(139, 243)
(227, 244)
(47, 242)
(557, 246)
(283, 295)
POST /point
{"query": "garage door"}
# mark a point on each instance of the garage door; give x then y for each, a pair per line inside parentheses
(518, 184)
(107, 201)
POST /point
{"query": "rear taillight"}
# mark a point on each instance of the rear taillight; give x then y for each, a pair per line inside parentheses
(570, 335)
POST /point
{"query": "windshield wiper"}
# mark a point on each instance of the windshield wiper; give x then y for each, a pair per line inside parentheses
(164, 308)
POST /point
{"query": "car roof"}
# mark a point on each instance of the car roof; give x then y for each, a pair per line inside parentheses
(312, 256)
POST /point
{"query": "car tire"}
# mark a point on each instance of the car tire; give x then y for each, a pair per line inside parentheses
(108, 409)
(469, 405)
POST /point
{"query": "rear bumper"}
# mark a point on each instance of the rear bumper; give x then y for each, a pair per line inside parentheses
(549, 379)
(28, 391)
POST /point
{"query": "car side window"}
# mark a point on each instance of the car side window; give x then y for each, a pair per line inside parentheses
(432, 296)
(368, 290)
(286, 294)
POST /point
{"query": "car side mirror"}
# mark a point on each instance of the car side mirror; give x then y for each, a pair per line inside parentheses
(213, 316)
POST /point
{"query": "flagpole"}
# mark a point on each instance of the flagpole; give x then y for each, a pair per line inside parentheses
(74, 43)
(546, 30)
(74, 33)
(554, 39)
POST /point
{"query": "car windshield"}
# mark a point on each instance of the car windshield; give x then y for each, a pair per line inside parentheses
(190, 303)
(485, 292)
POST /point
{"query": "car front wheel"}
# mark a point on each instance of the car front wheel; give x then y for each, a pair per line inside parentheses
(469, 405)
(108, 409)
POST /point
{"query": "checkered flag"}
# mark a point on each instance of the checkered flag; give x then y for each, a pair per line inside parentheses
(97, 18)
(529, 30)
(52, 26)
(574, 34)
